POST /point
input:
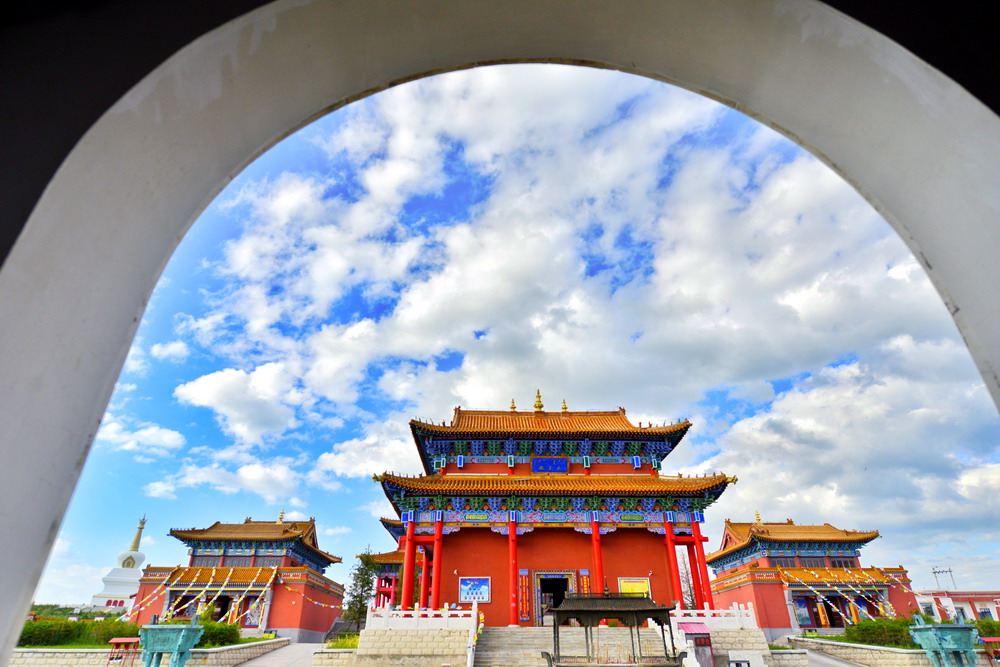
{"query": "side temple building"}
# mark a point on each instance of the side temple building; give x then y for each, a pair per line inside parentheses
(262, 575)
(805, 576)
(515, 509)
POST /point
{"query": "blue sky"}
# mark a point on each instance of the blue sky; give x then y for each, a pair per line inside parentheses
(613, 241)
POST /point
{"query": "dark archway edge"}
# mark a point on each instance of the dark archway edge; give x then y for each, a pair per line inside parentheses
(63, 64)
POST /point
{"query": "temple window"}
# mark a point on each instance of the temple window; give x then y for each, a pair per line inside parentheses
(268, 561)
(843, 562)
(237, 561)
(782, 561)
(204, 561)
(812, 561)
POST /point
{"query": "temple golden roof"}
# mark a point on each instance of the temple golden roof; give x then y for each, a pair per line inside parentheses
(389, 557)
(510, 421)
(738, 535)
(854, 575)
(259, 531)
(496, 485)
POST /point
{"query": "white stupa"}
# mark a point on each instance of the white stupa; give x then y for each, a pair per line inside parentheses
(122, 583)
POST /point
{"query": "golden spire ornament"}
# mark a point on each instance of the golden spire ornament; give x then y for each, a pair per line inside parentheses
(564, 408)
(138, 535)
(538, 400)
(513, 408)
(757, 516)
(281, 516)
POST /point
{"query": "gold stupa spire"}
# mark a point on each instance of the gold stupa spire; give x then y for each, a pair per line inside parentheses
(757, 517)
(538, 400)
(513, 408)
(281, 516)
(138, 534)
(564, 408)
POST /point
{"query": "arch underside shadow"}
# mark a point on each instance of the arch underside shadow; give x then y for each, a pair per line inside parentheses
(922, 150)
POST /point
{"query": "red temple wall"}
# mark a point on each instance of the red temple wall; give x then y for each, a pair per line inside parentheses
(479, 552)
(903, 602)
(768, 603)
(290, 610)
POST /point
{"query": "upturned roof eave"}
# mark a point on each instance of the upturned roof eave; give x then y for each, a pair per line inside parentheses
(864, 538)
(534, 485)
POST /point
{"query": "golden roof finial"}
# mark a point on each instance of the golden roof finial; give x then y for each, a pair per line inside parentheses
(757, 516)
(138, 534)
(564, 408)
(538, 400)
(513, 408)
(281, 516)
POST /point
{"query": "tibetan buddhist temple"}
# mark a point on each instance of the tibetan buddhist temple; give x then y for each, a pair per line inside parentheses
(515, 509)
(805, 576)
(262, 575)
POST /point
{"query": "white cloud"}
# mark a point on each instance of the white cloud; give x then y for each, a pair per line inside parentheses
(174, 351)
(379, 508)
(248, 406)
(145, 438)
(160, 489)
(69, 584)
(271, 480)
(136, 361)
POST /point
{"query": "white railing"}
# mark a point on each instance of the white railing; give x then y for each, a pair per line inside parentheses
(736, 617)
(389, 618)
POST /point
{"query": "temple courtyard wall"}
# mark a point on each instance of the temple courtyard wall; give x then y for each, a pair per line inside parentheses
(874, 656)
(409, 648)
(227, 656)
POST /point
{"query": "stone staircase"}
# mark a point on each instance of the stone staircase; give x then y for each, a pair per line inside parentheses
(522, 647)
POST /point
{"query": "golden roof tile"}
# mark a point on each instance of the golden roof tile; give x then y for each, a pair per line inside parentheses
(739, 535)
(496, 485)
(854, 575)
(510, 421)
(389, 557)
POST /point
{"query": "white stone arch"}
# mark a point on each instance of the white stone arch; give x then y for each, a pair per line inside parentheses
(922, 150)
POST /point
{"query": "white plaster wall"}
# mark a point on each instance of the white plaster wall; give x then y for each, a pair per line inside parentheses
(75, 285)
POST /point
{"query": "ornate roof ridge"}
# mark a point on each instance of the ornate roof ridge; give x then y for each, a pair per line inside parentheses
(743, 533)
(561, 421)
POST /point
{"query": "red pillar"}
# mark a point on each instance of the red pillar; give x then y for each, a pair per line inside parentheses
(675, 571)
(699, 550)
(425, 579)
(436, 572)
(409, 556)
(392, 590)
(699, 592)
(512, 573)
(595, 543)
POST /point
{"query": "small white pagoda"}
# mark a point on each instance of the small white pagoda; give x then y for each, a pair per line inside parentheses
(122, 583)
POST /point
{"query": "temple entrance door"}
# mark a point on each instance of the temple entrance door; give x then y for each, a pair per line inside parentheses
(553, 590)
(550, 588)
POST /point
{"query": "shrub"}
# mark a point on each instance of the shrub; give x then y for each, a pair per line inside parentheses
(881, 632)
(104, 631)
(988, 628)
(50, 633)
(344, 641)
(60, 632)
(219, 634)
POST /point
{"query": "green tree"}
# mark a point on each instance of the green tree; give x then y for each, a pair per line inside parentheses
(362, 588)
